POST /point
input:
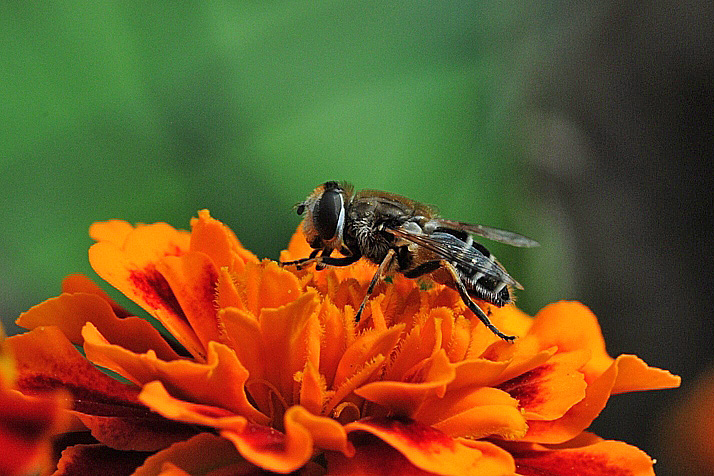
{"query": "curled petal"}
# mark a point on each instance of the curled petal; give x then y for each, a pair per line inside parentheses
(426, 448)
(70, 312)
(155, 396)
(312, 389)
(476, 373)
(46, 360)
(326, 433)
(283, 453)
(219, 381)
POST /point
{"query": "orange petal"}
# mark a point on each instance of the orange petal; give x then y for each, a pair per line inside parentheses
(363, 374)
(98, 459)
(326, 433)
(155, 396)
(283, 453)
(291, 334)
(193, 278)
(457, 338)
(421, 343)
(135, 430)
(633, 375)
(312, 389)
(474, 413)
(220, 381)
(216, 240)
(114, 231)
(602, 458)
(424, 447)
(267, 285)
(132, 270)
(199, 455)
(227, 294)
(405, 397)
(47, 360)
(511, 320)
(551, 389)
(476, 373)
(367, 346)
(70, 312)
(580, 415)
(572, 326)
(337, 332)
(243, 333)
(79, 283)
(298, 247)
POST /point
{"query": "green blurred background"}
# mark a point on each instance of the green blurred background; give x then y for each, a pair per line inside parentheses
(559, 120)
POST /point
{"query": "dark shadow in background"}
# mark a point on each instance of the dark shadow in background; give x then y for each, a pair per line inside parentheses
(624, 141)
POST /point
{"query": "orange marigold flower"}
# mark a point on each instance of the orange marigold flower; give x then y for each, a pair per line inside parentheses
(266, 368)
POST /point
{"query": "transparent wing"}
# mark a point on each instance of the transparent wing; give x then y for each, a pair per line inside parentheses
(494, 234)
(452, 249)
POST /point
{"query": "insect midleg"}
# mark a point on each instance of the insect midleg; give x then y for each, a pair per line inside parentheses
(472, 305)
(386, 262)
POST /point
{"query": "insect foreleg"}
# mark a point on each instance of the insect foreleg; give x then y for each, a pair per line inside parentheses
(472, 305)
(383, 266)
(303, 261)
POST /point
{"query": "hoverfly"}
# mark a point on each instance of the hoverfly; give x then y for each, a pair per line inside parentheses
(405, 236)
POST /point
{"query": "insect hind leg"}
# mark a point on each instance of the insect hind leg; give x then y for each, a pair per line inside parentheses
(472, 305)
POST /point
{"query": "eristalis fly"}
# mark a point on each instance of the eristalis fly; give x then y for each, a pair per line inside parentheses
(401, 235)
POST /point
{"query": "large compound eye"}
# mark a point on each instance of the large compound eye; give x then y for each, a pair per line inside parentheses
(328, 214)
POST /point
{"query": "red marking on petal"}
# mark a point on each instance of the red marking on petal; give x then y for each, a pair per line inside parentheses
(155, 290)
(413, 433)
(522, 388)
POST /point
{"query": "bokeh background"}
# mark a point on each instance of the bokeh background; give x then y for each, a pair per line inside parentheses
(585, 125)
